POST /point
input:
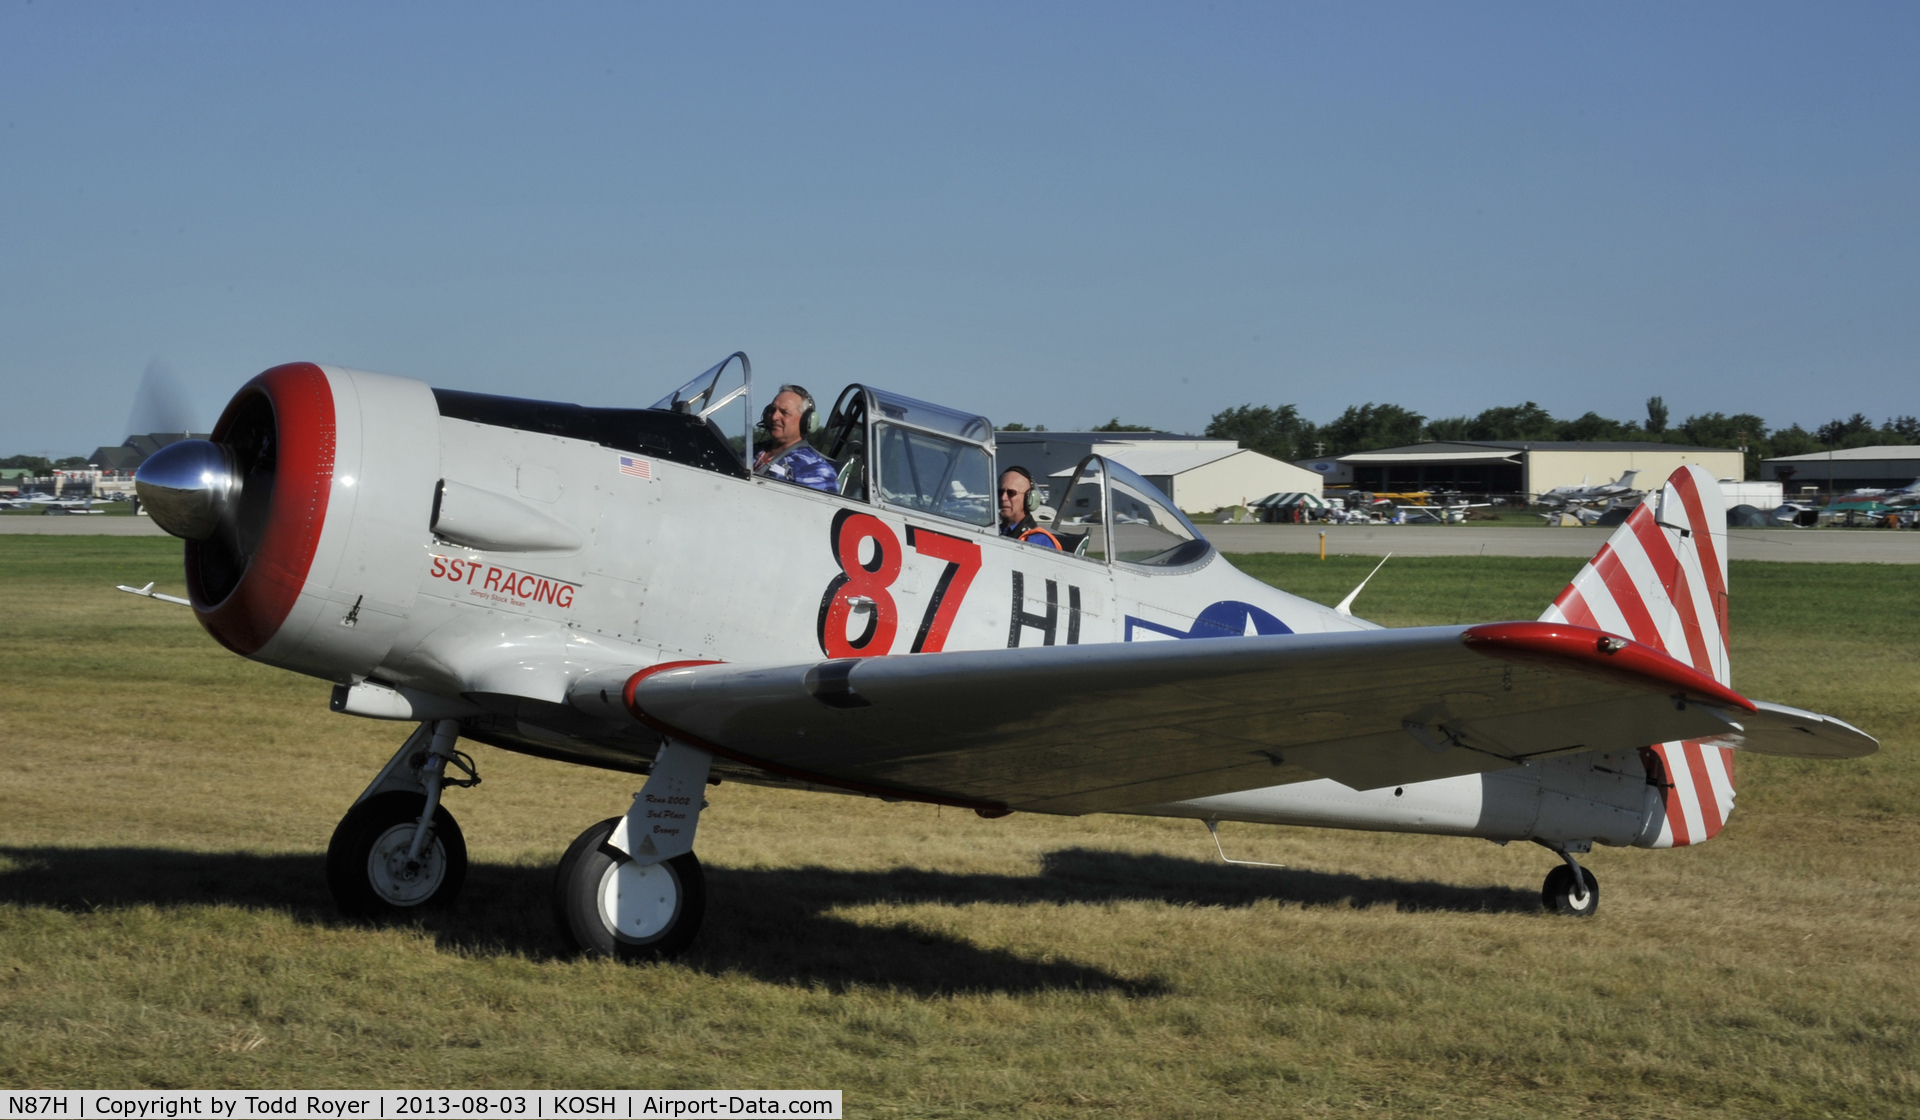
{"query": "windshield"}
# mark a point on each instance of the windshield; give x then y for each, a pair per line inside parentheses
(1146, 528)
(1080, 523)
(1109, 512)
(723, 397)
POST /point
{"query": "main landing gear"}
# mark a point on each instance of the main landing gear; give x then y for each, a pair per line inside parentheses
(398, 849)
(1570, 888)
(629, 887)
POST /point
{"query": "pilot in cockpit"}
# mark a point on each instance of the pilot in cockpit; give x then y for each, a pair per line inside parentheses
(786, 454)
(1018, 500)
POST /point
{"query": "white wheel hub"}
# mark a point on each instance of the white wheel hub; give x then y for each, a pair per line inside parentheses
(394, 878)
(638, 903)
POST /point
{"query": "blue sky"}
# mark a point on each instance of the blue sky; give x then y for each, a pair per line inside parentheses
(1044, 212)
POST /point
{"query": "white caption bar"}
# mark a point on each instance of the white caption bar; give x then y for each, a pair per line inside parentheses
(374, 1104)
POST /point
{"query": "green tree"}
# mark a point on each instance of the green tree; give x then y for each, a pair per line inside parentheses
(1278, 432)
(1521, 421)
(1593, 426)
(1656, 415)
(1017, 427)
(35, 463)
(1114, 425)
(72, 463)
(1793, 441)
(1742, 429)
(1854, 431)
(1454, 429)
(1364, 427)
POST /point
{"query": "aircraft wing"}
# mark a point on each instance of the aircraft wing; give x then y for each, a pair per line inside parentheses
(1079, 729)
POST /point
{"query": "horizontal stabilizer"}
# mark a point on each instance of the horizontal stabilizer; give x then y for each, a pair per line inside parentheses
(1792, 733)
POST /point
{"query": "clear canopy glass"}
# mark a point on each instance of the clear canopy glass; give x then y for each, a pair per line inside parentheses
(723, 397)
(1111, 513)
(1146, 527)
(938, 418)
(934, 474)
(1080, 519)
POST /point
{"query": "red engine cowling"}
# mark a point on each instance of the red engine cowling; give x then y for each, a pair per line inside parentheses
(313, 560)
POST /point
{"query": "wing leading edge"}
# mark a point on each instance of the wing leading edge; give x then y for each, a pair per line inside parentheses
(1080, 729)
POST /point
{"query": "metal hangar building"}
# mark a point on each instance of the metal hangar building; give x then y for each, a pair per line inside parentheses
(1850, 468)
(1518, 467)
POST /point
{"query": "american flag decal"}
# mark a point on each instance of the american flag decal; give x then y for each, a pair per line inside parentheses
(638, 468)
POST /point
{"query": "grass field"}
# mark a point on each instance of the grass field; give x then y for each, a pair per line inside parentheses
(164, 807)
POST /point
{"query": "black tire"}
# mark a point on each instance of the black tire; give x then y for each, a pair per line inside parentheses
(364, 869)
(1559, 897)
(660, 931)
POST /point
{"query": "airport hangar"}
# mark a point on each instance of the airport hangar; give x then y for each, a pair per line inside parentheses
(1516, 467)
(1199, 474)
(1850, 468)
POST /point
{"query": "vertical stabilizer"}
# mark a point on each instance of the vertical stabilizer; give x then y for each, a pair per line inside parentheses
(1661, 579)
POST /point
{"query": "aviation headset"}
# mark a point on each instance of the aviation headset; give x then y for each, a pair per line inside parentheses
(808, 412)
(1031, 501)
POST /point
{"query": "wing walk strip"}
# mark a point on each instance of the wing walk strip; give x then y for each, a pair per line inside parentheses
(1646, 584)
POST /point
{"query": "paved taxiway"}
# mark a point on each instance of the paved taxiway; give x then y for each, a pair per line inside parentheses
(1832, 546)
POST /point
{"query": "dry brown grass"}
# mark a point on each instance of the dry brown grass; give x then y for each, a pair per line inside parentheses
(163, 921)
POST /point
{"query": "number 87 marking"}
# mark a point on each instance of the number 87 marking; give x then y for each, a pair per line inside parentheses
(868, 581)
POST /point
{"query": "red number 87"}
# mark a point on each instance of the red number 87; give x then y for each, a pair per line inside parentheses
(864, 581)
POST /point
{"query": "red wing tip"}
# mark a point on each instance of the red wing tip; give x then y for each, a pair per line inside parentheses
(1596, 650)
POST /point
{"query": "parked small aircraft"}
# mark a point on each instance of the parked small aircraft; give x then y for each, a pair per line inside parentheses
(53, 504)
(1620, 489)
(613, 587)
(1871, 501)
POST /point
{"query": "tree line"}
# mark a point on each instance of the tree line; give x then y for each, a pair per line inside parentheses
(40, 464)
(1280, 431)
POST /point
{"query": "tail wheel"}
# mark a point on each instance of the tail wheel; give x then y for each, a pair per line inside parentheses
(367, 866)
(609, 906)
(1562, 896)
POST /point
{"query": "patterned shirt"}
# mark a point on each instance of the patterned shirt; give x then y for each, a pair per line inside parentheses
(801, 465)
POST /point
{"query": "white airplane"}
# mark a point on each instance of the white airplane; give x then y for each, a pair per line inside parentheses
(1620, 489)
(53, 504)
(612, 587)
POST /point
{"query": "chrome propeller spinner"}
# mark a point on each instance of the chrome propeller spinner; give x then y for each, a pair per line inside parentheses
(191, 488)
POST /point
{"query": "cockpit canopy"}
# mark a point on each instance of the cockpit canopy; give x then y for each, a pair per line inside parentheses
(897, 451)
(893, 450)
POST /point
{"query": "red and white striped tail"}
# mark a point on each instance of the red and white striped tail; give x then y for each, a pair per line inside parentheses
(1661, 579)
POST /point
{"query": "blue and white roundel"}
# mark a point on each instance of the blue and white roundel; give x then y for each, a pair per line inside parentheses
(1228, 618)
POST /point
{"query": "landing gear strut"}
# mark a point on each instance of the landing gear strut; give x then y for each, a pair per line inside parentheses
(1570, 888)
(630, 887)
(398, 849)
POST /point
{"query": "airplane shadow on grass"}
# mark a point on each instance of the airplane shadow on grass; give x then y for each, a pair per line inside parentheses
(774, 924)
